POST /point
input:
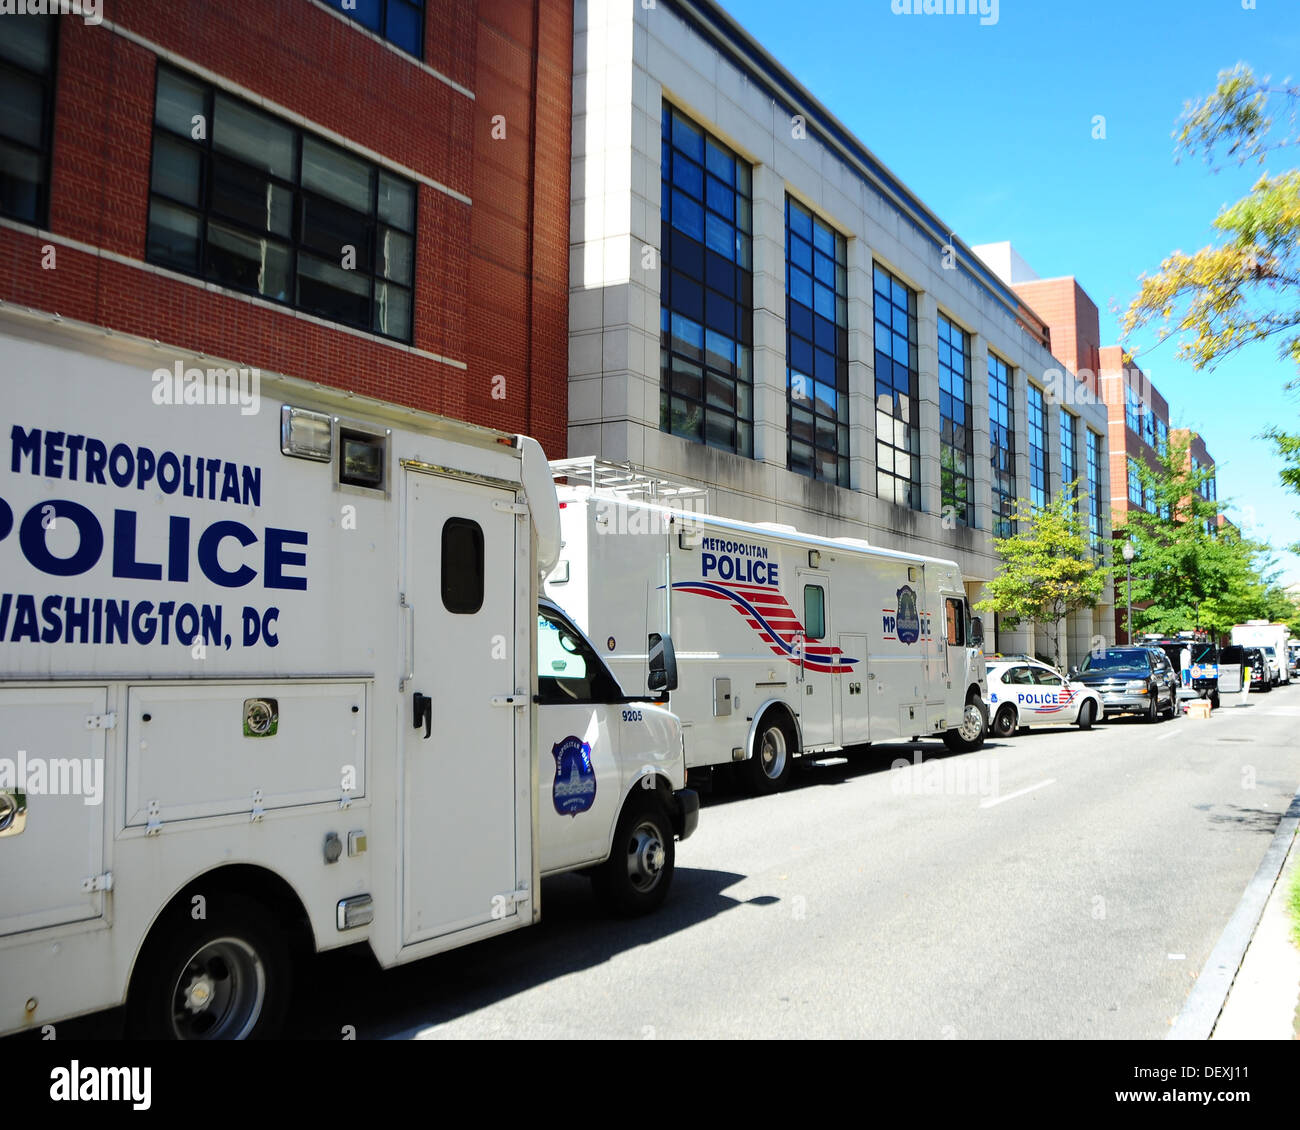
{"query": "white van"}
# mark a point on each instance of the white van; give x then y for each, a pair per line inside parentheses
(788, 644)
(271, 683)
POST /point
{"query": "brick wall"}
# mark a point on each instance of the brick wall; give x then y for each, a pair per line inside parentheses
(491, 277)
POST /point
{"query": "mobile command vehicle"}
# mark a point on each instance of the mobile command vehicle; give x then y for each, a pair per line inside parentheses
(271, 686)
(1264, 635)
(788, 644)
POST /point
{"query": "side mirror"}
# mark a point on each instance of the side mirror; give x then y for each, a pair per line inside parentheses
(1073, 672)
(976, 632)
(663, 663)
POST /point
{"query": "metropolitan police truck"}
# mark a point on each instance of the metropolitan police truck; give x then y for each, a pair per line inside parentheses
(789, 644)
(277, 678)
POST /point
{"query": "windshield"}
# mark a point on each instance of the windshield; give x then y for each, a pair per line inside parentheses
(1114, 658)
(568, 670)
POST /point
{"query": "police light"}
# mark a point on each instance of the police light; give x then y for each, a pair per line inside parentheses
(305, 435)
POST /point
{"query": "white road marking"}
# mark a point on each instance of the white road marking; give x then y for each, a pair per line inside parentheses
(1283, 712)
(991, 801)
(1177, 957)
(1167, 734)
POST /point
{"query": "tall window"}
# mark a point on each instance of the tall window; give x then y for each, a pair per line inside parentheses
(1039, 484)
(1069, 448)
(1149, 427)
(247, 201)
(27, 95)
(706, 386)
(1162, 437)
(898, 458)
(1132, 410)
(401, 22)
(817, 346)
(1002, 446)
(1135, 495)
(956, 444)
(1095, 500)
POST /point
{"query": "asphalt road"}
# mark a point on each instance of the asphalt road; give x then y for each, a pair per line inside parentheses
(1058, 884)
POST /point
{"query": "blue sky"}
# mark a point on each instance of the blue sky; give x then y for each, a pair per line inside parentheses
(991, 125)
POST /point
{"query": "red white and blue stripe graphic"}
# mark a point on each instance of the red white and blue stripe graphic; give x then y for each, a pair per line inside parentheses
(770, 615)
(1065, 697)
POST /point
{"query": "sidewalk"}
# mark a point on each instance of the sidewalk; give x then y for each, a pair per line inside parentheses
(1264, 1001)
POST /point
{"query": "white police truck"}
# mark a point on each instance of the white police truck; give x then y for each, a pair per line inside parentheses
(277, 677)
(788, 644)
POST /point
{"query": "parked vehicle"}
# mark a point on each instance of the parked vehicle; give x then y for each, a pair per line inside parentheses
(1131, 680)
(1195, 659)
(1265, 636)
(1261, 678)
(1232, 671)
(1029, 693)
(271, 686)
(788, 644)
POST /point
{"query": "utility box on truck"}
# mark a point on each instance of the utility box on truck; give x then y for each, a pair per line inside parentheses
(277, 672)
(788, 644)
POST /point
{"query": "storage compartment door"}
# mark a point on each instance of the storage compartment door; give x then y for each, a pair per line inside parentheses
(53, 784)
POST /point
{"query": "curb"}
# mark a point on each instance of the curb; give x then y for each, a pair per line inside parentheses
(1201, 1011)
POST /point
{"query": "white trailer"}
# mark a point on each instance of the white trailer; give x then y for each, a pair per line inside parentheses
(788, 644)
(271, 686)
(1262, 634)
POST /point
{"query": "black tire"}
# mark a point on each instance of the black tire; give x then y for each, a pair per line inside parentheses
(1153, 709)
(634, 880)
(768, 770)
(1214, 700)
(953, 738)
(232, 965)
(1087, 714)
(1173, 705)
(1004, 721)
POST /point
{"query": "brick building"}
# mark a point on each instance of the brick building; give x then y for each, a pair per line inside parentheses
(375, 199)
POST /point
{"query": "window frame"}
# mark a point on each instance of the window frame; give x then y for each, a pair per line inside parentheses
(956, 481)
(904, 408)
(297, 244)
(1036, 406)
(813, 343)
(48, 82)
(1001, 378)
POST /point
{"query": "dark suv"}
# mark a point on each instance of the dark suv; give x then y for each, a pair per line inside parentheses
(1261, 678)
(1132, 680)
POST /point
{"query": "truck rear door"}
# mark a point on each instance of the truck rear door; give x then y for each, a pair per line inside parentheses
(464, 809)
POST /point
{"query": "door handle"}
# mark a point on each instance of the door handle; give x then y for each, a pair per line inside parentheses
(422, 712)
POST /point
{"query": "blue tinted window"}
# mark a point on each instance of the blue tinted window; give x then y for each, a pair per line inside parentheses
(706, 394)
(956, 443)
(817, 356)
(401, 22)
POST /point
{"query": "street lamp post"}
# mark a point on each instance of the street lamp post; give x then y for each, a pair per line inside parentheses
(1129, 551)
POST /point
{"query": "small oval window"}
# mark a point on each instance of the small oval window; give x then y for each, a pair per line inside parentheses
(462, 566)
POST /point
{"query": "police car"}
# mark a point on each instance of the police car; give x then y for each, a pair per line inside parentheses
(1025, 692)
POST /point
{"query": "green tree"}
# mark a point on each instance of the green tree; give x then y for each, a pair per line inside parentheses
(1245, 288)
(1046, 569)
(1189, 571)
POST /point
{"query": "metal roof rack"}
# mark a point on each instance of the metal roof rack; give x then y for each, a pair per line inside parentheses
(628, 482)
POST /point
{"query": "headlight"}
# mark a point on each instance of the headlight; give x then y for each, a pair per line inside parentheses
(1136, 686)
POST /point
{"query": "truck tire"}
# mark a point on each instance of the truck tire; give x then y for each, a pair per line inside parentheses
(774, 745)
(964, 739)
(1004, 722)
(225, 976)
(634, 880)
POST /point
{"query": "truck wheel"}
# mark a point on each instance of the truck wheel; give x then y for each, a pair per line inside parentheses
(1214, 700)
(223, 977)
(1004, 722)
(1087, 715)
(769, 769)
(635, 878)
(969, 736)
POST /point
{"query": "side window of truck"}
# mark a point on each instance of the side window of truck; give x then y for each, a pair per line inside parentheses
(955, 611)
(814, 611)
(462, 566)
(567, 670)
